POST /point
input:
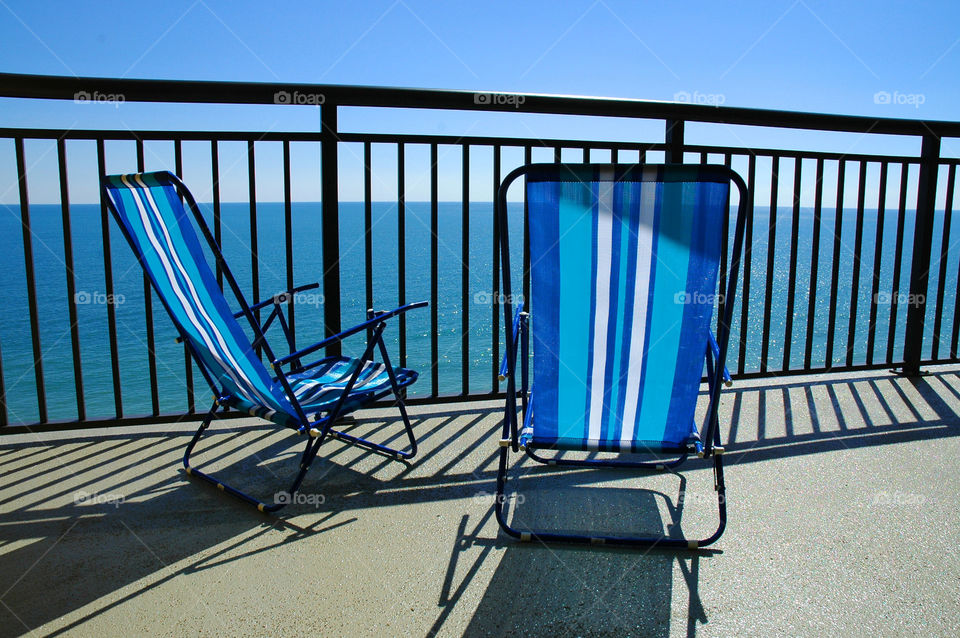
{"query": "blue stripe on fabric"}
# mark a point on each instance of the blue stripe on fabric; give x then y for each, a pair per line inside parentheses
(700, 204)
(544, 198)
(576, 257)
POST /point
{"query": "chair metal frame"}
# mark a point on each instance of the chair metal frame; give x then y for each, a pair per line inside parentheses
(320, 428)
(517, 339)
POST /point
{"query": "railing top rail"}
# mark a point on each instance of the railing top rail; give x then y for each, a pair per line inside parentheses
(218, 92)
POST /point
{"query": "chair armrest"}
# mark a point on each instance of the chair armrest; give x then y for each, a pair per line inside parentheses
(727, 381)
(505, 363)
(360, 327)
(278, 298)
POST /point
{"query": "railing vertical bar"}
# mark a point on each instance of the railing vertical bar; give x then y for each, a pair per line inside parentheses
(586, 155)
(835, 264)
(771, 246)
(724, 246)
(434, 274)
(944, 256)
(527, 159)
(921, 257)
(465, 271)
(217, 231)
(254, 253)
(71, 281)
(703, 157)
(401, 250)
(108, 285)
(557, 154)
(673, 140)
(288, 241)
(495, 298)
(329, 195)
(368, 224)
(877, 261)
(857, 249)
(187, 359)
(27, 234)
(897, 259)
(614, 156)
(148, 315)
(748, 250)
(814, 265)
(794, 247)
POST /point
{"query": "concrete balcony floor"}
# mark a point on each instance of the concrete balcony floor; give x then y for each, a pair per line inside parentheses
(843, 493)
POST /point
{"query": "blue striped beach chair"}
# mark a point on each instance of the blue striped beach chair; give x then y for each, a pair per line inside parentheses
(308, 398)
(624, 269)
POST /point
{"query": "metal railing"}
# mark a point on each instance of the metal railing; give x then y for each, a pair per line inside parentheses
(808, 321)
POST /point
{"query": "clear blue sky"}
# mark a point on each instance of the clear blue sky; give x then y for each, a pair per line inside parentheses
(808, 55)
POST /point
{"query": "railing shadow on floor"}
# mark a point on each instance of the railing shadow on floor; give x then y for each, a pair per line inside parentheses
(793, 417)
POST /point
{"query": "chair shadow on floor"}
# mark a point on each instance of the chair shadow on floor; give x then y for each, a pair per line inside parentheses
(563, 589)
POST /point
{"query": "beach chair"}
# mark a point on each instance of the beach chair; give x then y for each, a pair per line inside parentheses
(624, 263)
(307, 397)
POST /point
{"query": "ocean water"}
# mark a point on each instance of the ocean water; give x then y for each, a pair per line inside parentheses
(48, 255)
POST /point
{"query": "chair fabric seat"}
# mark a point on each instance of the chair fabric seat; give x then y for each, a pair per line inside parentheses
(319, 388)
(624, 280)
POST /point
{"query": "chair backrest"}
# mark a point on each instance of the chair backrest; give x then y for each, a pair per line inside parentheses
(624, 267)
(149, 209)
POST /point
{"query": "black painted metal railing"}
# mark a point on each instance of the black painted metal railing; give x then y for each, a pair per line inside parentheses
(861, 290)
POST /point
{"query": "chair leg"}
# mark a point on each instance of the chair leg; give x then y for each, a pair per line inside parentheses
(399, 393)
(281, 498)
(653, 541)
(377, 447)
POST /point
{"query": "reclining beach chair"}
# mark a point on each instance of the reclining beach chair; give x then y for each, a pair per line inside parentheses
(308, 398)
(624, 264)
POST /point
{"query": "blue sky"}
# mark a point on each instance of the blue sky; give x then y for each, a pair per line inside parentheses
(806, 55)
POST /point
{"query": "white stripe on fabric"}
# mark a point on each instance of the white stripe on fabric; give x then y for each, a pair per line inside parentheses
(232, 368)
(648, 202)
(602, 300)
